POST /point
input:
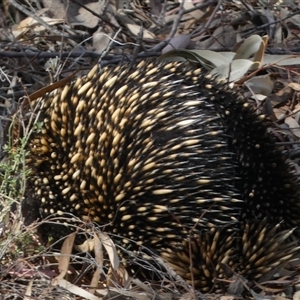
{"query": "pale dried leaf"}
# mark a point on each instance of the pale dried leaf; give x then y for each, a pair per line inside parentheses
(142, 296)
(74, 289)
(261, 84)
(110, 249)
(295, 19)
(297, 114)
(98, 250)
(260, 97)
(228, 55)
(180, 41)
(125, 276)
(28, 292)
(295, 86)
(100, 41)
(30, 23)
(142, 285)
(187, 296)
(296, 108)
(99, 259)
(234, 70)
(122, 4)
(257, 296)
(17, 227)
(278, 297)
(65, 255)
(249, 47)
(196, 14)
(56, 8)
(260, 53)
(222, 35)
(265, 39)
(119, 277)
(87, 246)
(282, 60)
(132, 26)
(216, 59)
(280, 113)
(279, 34)
(80, 16)
(156, 7)
(119, 294)
(270, 19)
(95, 281)
(135, 30)
(296, 296)
(283, 94)
(294, 126)
(227, 298)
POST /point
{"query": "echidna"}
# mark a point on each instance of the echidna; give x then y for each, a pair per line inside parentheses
(170, 158)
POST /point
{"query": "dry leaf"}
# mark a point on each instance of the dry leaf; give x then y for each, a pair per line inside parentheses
(296, 296)
(196, 14)
(99, 259)
(295, 86)
(261, 84)
(280, 113)
(95, 281)
(135, 30)
(30, 23)
(65, 255)
(249, 47)
(119, 277)
(88, 245)
(74, 289)
(294, 126)
(77, 15)
(110, 249)
(56, 7)
(28, 292)
(180, 41)
(100, 41)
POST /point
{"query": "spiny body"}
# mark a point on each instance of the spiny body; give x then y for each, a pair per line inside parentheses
(159, 153)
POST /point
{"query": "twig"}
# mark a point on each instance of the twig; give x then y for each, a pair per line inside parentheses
(110, 44)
